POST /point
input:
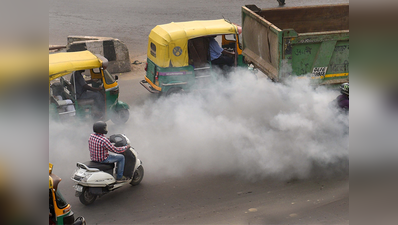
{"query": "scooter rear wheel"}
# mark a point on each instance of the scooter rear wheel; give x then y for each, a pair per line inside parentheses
(87, 198)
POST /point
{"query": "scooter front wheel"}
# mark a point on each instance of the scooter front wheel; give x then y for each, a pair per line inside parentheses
(137, 177)
(87, 198)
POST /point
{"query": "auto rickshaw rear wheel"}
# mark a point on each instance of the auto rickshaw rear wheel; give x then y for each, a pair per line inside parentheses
(87, 198)
(174, 90)
(120, 116)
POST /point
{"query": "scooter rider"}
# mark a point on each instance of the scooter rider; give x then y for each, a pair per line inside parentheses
(343, 99)
(99, 145)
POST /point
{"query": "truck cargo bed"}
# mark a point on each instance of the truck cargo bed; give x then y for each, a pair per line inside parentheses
(310, 40)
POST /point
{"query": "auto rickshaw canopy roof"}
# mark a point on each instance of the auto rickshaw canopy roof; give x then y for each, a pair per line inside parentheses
(168, 43)
(64, 63)
(53, 180)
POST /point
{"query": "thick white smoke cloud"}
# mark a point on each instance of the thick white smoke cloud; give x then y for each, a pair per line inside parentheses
(244, 127)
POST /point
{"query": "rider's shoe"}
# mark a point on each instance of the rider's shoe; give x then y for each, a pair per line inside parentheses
(121, 180)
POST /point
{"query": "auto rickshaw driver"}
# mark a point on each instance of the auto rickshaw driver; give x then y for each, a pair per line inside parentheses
(85, 91)
(220, 57)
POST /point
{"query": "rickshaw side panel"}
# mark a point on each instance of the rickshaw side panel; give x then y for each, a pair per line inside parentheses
(66, 219)
(182, 77)
(169, 77)
(151, 70)
(112, 97)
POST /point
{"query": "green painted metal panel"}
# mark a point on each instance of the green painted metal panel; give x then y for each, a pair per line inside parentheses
(325, 57)
(111, 98)
(303, 57)
(339, 61)
(324, 54)
(150, 72)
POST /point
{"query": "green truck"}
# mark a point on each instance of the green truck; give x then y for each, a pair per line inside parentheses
(311, 41)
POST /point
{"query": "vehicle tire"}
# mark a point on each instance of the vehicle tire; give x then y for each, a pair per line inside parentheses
(174, 90)
(80, 221)
(87, 198)
(137, 177)
(120, 116)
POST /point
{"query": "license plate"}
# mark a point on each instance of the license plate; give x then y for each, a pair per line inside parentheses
(78, 188)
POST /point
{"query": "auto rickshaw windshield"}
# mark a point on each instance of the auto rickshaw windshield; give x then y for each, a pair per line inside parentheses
(60, 200)
(108, 77)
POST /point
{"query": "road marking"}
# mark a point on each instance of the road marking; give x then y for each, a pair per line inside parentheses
(252, 210)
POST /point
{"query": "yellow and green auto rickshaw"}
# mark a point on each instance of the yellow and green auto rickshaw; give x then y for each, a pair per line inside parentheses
(178, 54)
(60, 210)
(63, 102)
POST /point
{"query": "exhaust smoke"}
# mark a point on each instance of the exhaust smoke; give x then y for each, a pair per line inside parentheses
(248, 127)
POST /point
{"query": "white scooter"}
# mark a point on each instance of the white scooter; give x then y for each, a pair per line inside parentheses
(94, 179)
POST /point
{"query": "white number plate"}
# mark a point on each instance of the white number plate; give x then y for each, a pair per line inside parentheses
(78, 188)
(319, 71)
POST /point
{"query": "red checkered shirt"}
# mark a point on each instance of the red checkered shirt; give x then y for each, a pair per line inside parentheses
(99, 146)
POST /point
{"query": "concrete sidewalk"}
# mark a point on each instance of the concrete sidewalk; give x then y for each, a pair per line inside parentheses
(138, 64)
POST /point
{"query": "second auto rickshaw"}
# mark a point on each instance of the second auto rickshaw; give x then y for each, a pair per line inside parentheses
(178, 54)
(60, 211)
(63, 100)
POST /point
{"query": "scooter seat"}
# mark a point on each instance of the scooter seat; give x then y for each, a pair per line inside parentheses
(100, 166)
